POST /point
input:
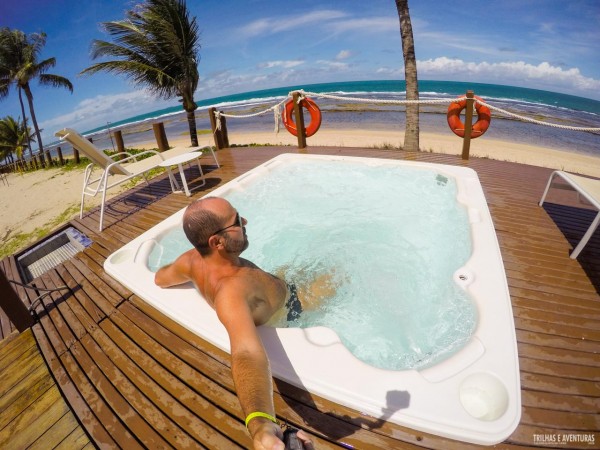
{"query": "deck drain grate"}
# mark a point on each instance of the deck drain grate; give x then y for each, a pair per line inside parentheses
(52, 252)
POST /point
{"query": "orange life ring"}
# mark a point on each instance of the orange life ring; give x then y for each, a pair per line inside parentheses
(484, 117)
(315, 116)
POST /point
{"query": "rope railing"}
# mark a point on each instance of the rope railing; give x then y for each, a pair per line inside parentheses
(385, 101)
(276, 109)
(538, 122)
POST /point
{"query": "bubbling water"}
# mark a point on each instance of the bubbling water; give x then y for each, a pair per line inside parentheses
(384, 241)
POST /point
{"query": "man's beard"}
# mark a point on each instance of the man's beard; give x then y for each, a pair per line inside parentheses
(233, 245)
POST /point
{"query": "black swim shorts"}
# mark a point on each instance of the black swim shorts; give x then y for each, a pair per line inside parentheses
(293, 304)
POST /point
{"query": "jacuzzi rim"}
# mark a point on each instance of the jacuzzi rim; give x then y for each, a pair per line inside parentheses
(454, 423)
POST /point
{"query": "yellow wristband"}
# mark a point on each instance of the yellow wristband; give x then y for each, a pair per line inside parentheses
(256, 414)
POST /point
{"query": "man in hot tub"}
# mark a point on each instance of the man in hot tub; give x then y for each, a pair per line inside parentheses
(244, 296)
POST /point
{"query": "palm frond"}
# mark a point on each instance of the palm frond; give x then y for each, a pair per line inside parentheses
(47, 79)
(160, 42)
(46, 64)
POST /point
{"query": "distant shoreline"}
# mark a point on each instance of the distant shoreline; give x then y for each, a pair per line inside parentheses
(347, 113)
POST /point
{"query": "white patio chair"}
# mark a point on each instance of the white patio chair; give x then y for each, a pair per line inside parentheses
(588, 188)
(114, 172)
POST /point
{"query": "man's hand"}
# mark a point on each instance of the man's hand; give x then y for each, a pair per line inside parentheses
(268, 436)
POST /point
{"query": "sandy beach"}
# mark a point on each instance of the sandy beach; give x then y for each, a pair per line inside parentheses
(43, 199)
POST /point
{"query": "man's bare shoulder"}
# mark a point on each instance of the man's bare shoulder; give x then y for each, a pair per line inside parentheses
(185, 261)
(178, 272)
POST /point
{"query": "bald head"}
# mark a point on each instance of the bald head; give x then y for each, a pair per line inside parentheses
(202, 218)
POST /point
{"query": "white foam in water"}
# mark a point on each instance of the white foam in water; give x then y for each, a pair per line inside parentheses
(388, 240)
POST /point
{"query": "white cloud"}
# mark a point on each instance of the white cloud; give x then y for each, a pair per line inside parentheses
(367, 24)
(334, 21)
(344, 54)
(333, 65)
(283, 64)
(391, 73)
(271, 25)
(226, 82)
(517, 72)
(92, 112)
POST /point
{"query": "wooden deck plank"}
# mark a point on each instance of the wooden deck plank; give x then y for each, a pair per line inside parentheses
(27, 427)
(91, 261)
(166, 401)
(143, 418)
(26, 363)
(120, 353)
(121, 421)
(56, 433)
(106, 431)
(23, 394)
(33, 406)
(76, 440)
(11, 350)
(183, 383)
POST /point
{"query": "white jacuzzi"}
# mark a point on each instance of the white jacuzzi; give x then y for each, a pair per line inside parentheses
(472, 395)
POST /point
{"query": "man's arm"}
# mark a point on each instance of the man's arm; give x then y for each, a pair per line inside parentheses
(178, 272)
(249, 364)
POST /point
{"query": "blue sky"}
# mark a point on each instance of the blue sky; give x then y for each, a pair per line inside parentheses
(257, 44)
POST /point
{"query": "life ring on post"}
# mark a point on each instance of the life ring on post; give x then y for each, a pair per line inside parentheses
(315, 116)
(484, 117)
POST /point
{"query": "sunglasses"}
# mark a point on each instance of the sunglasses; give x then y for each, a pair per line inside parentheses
(237, 223)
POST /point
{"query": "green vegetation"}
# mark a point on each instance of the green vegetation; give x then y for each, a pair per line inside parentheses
(19, 65)
(15, 136)
(387, 146)
(253, 144)
(21, 240)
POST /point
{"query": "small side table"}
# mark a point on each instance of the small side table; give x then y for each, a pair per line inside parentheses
(179, 161)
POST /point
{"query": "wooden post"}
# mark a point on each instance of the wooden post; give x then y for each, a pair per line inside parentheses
(468, 125)
(161, 136)
(61, 160)
(299, 119)
(217, 135)
(224, 135)
(12, 305)
(76, 155)
(118, 135)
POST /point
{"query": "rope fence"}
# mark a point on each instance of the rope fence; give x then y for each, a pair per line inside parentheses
(277, 108)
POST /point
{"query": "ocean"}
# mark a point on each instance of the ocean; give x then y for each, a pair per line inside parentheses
(541, 105)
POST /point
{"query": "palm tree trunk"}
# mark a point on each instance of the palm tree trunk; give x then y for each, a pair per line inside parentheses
(35, 124)
(411, 135)
(25, 122)
(191, 118)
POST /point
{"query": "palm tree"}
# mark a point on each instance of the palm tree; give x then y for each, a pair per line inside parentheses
(157, 46)
(411, 135)
(19, 54)
(14, 137)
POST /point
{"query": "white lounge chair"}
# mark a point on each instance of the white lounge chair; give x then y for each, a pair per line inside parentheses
(120, 171)
(588, 188)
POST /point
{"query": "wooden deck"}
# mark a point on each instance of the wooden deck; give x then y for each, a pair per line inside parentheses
(135, 379)
(31, 401)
